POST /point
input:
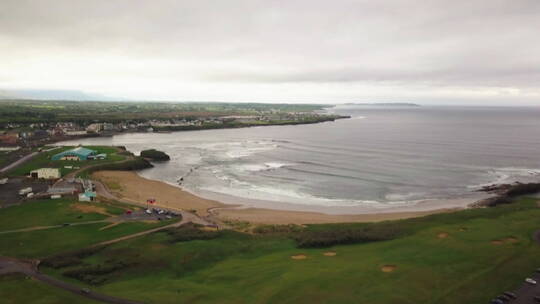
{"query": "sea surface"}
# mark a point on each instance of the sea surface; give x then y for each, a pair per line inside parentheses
(381, 158)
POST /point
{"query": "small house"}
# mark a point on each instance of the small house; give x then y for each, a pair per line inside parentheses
(46, 173)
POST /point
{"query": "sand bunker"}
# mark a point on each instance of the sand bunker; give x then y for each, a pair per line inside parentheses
(299, 257)
(442, 235)
(511, 240)
(508, 240)
(90, 209)
(388, 268)
(329, 253)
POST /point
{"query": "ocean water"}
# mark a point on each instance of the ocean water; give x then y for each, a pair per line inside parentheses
(381, 158)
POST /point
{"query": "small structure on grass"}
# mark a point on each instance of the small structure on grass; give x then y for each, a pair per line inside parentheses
(77, 154)
(46, 173)
(87, 196)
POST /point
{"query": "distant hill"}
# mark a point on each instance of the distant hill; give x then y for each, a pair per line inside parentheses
(385, 104)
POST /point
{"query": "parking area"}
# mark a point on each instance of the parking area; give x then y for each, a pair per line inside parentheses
(152, 214)
(527, 292)
(9, 192)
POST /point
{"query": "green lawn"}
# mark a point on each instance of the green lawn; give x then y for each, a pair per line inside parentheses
(16, 289)
(50, 212)
(41, 243)
(445, 258)
(43, 160)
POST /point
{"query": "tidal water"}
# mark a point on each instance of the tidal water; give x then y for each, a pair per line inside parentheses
(380, 158)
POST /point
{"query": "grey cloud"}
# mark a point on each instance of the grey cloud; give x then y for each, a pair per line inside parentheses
(405, 42)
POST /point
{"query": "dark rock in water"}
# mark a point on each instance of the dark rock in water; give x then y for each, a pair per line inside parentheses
(505, 193)
(155, 155)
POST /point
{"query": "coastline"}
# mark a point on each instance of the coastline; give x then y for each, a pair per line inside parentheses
(131, 186)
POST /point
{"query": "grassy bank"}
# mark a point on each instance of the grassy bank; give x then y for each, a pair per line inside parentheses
(462, 257)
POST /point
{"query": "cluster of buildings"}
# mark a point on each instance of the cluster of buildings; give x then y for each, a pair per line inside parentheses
(83, 188)
(25, 135)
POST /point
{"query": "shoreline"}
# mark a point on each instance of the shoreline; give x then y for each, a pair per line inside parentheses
(131, 186)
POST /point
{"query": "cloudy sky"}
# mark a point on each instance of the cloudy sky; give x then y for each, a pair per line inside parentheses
(426, 51)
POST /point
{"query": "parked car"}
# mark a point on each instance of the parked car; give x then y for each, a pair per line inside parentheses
(148, 211)
(85, 290)
(510, 294)
(504, 298)
(496, 301)
(530, 281)
(537, 299)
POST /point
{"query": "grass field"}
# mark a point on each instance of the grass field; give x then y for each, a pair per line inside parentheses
(43, 160)
(49, 212)
(41, 243)
(463, 257)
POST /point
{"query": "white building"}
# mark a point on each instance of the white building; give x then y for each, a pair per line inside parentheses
(46, 173)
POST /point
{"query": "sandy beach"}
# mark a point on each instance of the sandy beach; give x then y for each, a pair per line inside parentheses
(132, 187)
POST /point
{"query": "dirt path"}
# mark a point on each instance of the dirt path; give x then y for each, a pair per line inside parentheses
(11, 265)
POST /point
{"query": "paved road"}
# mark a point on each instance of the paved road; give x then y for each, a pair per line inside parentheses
(10, 265)
(19, 162)
(23, 159)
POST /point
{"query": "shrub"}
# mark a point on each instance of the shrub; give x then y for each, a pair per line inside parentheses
(326, 238)
(190, 232)
(277, 229)
(71, 258)
(94, 275)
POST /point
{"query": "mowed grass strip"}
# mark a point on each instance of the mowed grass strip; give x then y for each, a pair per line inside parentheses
(464, 266)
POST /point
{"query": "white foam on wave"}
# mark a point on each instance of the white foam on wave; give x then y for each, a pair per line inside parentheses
(235, 149)
(261, 166)
(286, 194)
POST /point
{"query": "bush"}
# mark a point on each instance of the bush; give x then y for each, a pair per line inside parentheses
(326, 238)
(190, 232)
(94, 275)
(277, 229)
(154, 154)
(71, 258)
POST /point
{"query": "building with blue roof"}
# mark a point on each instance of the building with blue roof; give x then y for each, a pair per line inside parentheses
(79, 153)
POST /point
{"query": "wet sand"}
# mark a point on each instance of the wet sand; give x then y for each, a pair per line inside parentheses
(131, 186)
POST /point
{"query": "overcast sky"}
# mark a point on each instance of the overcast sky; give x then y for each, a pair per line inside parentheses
(431, 51)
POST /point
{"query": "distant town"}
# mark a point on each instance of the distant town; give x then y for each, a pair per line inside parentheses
(28, 124)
